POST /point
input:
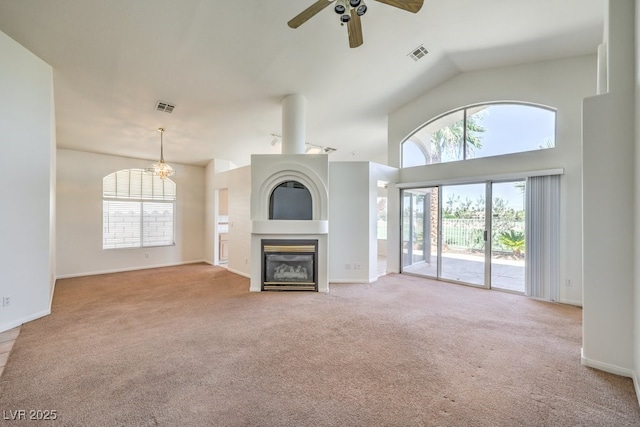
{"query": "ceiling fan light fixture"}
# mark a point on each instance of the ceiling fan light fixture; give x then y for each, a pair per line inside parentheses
(362, 9)
(340, 8)
(354, 3)
(345, 18)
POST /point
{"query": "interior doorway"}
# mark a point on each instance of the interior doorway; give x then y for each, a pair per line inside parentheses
(221, 242)
(471, 234)
(381, 227)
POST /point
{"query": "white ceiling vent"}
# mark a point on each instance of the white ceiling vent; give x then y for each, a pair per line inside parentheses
(164, 106)
(418, 53)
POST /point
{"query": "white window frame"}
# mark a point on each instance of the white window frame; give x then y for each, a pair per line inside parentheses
(411, 138)
(139, 190)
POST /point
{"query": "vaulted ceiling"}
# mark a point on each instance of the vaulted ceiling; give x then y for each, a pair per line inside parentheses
(226, 65)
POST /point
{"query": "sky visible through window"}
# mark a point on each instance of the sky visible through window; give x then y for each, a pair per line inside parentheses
(513, 128)
(492, 130)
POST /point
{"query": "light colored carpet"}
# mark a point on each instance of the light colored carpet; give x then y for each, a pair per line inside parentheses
(190, 346)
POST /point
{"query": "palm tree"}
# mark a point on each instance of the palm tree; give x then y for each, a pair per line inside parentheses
(446, 142)
(513, 240)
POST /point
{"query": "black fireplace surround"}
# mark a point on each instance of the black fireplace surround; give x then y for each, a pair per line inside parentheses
(289, 265)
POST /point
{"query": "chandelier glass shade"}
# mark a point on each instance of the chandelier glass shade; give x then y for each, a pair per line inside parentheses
(161, 169)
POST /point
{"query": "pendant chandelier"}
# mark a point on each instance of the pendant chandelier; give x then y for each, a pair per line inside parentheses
(161, 169)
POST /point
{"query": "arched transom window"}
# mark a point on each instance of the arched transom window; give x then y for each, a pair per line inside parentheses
(481, 131)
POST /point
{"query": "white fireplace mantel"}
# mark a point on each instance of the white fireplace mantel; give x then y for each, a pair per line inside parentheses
(290, 227)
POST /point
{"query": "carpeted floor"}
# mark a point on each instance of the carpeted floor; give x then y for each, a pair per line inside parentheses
(190, 346)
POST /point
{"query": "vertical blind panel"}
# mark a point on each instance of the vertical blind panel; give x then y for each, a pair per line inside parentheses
(542, 244)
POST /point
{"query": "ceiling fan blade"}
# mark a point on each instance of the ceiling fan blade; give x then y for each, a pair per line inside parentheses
(354, 28)
(408, 5)
(308, 13)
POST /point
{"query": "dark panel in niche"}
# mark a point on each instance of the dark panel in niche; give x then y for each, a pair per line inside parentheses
(290, 200)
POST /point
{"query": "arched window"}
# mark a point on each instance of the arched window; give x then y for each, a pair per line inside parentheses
(481, 131)
(414, 153)
(138, 210)
(291, 200)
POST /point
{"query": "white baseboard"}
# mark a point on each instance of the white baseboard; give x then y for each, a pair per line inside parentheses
(606, 367)
(239, 273)
(350, 281)
(19, 322)
(122, 270)
(570, 302)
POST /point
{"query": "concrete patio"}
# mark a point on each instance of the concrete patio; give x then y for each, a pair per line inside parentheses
(506, 274)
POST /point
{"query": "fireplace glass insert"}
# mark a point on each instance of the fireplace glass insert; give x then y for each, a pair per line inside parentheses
(289, 265)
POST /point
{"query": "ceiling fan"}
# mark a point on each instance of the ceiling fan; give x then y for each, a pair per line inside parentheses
(350, 12)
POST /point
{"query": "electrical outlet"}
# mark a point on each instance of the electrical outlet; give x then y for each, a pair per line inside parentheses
(146, 254)
(356, 266)
(569, 282)
(6, 301)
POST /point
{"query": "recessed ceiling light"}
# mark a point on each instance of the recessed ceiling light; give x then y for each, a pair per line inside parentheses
(417, 53)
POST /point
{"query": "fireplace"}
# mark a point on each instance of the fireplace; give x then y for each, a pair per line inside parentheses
(289, 222)
(289, 265)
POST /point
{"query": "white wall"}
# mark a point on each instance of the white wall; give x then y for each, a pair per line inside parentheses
(238, 183)
(27, 139)
(353, 213)
(349, 222)
(561, 84)
(608, 211)
(79, 218)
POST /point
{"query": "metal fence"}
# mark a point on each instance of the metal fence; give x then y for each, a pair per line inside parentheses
(463, 233)
(469, 233)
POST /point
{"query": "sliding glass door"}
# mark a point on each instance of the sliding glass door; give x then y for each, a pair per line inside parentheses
(469, 233)
(508, 235)
(463, 233)
(419, 231)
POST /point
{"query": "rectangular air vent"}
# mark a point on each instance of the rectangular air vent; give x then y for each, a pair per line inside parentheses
(418, 53)
(164, 106)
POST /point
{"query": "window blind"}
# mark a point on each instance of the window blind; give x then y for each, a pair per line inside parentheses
(542, 250)
(138, 210)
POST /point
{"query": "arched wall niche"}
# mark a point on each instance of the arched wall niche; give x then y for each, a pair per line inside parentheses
(291, 200)
(286, 173)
